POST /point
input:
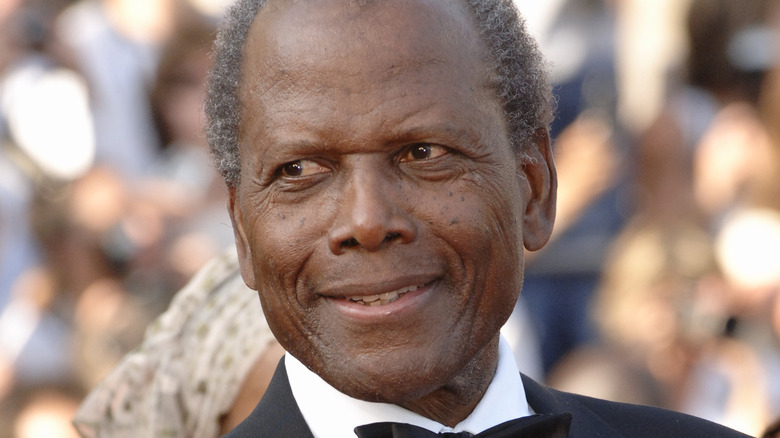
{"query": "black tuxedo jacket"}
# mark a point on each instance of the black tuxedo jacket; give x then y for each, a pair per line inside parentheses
(277, 415)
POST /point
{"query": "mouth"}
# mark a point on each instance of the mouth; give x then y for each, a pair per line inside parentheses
(383, 301)
(383, 298)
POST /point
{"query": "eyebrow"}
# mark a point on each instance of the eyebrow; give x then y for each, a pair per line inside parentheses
(425, 125)
(433, 130)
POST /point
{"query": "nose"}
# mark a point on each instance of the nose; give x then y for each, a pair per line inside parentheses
(369, 215)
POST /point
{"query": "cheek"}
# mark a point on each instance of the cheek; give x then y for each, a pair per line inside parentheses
(281, 246)
(281, 240)
(480, 222)
(492, 211)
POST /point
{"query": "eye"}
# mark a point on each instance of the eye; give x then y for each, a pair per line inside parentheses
(424, 151)
(301, 168)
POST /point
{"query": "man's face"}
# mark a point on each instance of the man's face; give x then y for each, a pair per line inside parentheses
(381, 208)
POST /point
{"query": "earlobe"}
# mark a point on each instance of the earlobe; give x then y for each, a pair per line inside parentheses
(243, 247)
(537, 169)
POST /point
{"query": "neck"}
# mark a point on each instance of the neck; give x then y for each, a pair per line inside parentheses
(452, 403)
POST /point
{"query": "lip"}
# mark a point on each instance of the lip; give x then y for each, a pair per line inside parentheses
(353, 290)
(340, 297)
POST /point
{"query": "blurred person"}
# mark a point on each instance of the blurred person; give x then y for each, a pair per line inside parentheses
(200, 370)
(664, 313)
(700, 164)
(41, 325)
(177, 98)
(738, 164)
(182, 180)
(45, 126)
(711, 113)
(116, 44)
(710, 160)
(652, 276)
(147, 63)
(607, 372)
(45, 141)
(79, 311)
(746, 249)
(733, 157)
(107, 237)
(578, 37)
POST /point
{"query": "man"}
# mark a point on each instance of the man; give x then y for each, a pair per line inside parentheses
(386, 162)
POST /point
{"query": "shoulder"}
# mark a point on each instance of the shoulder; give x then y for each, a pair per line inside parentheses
(593, 417)
(276, 415)
(191, 365)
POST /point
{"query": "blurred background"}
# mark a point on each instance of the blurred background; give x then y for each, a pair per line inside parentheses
(661, 285)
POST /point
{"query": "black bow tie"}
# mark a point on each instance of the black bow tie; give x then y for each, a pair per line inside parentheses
(535, 426)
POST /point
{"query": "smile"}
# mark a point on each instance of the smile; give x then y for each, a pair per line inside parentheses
(384, 298)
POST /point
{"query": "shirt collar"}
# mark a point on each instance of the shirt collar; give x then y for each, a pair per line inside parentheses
(330, 413)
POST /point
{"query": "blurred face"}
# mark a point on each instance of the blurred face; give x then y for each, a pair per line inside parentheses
(183, 97)
(382, 211)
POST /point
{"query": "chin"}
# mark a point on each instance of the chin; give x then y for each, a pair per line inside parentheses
(386, 386)
(390, 376)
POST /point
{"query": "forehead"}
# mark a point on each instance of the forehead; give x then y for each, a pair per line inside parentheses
(376, 39)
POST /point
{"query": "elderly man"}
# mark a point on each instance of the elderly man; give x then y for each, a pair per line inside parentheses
(387, 160)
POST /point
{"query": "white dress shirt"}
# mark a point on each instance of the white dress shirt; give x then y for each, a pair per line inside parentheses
(330, 413)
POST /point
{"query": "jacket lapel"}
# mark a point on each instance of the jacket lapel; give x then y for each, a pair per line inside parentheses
(277, 414)
(544, 400)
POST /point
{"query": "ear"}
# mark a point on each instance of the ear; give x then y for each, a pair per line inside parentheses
(242, 243)
(537, 169)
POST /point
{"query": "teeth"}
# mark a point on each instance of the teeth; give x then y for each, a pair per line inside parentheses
(385, 298)
(389, 297)
(372, 298)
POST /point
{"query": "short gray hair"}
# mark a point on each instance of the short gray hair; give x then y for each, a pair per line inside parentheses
(520, 78)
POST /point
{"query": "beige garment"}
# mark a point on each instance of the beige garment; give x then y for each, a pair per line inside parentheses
(188, 371)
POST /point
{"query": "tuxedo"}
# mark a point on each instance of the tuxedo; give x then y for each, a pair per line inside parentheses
(277, 415)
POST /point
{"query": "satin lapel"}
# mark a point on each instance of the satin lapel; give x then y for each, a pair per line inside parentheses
(277, 414)
(584, 424)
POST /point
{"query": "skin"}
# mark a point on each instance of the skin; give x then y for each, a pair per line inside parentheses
(374, 158)
(253, 387)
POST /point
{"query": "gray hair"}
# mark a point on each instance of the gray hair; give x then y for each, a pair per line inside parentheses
(519, 78)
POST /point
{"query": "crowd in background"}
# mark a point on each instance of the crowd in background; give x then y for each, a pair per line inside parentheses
(661, 284)
(109, 201)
